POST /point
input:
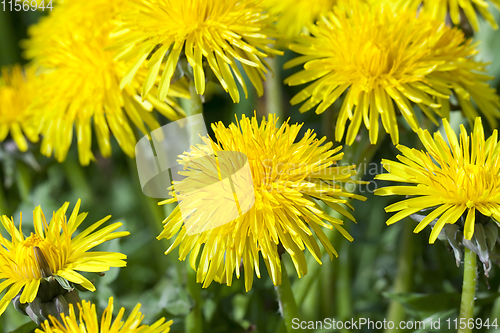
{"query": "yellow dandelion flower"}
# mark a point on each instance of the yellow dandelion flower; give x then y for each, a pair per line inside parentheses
(17, 90)
(82, 83)
(51, 251)
(224, 32)
(288, 180)
(452, 179)
(87, 321)
(294, 16)
(377, 57)
(439, 9)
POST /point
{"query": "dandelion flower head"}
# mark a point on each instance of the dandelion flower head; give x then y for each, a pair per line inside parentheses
(53, 251)
(289, 177)
(87, 321)
(376, 57)
(450, 178)
(217, 34)
(17, 89)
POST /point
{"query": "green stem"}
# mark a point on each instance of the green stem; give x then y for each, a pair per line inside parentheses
(287, 304)
(196, 104)
(396, 312)
(9, 52)
(344, 290)
(495, 311)
(468, 290)
(24, 181)
(4, 206)
(194, 320)
(273, 89)
(77, 179)
(153, 214)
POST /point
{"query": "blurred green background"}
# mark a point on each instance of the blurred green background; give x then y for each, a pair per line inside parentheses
(386, 272)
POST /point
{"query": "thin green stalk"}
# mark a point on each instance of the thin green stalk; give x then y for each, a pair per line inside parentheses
(302, 286)
(344, 290)
(288, 307)
(495, 311)
(396, 312)
(77, 179)
(273, 92)
(153, 214)
(196, 104)
(327, 287)
(4, 206)
(194, 320)
(468, 290)
(9, 52)
(24, 181)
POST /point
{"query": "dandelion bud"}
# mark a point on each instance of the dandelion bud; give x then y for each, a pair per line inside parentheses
(52, 299)
(43, 265)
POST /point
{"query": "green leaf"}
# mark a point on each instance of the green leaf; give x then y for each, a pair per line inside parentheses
(26, 328)
(425, 305)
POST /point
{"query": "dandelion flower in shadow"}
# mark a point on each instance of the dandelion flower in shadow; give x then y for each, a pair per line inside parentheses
(376, 57)
(17, 89)
(294, 16)
(53, 251)
(230, 35)
(439, 9)
(453, 178)
(88, 322)
(289, 178)
(82, 83)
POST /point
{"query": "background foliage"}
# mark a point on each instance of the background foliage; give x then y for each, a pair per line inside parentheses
(382, 264)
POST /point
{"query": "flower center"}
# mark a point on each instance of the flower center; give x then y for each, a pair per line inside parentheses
(475, 183)
(14, 104)
(32, 257)
(33, 240)
(374, 60)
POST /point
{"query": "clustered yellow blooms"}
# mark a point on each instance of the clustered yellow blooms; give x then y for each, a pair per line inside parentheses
(225, 33)
(288, 177)
(453, 176)
(376, 57)
(111, 63)
(53, 251)
(87, 321)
